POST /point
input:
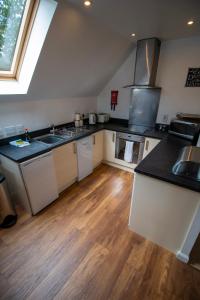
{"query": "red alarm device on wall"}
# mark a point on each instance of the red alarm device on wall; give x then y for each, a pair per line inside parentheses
(114, 97)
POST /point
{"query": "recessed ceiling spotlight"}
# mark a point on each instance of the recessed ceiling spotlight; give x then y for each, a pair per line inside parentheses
(132, 34)
(190, 22)
(87, 3)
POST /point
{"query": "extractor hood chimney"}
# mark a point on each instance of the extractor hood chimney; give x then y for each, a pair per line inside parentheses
(146, 63)
(145, 96)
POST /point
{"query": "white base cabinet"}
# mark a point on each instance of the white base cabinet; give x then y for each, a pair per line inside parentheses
(162, 212)
(150, 144)
(98, 144)
(65, 161)
(66, 164)
(109, 145)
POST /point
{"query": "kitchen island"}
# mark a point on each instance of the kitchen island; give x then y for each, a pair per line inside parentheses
(165, 207)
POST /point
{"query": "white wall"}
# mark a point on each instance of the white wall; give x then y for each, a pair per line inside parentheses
(36, 114)
(175, 58)
(122, 77)
(78, 58)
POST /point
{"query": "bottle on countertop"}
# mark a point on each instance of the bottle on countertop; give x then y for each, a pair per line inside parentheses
(27, 136)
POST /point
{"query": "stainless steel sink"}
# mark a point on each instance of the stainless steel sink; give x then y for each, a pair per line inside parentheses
(188, 163)
(50, 139)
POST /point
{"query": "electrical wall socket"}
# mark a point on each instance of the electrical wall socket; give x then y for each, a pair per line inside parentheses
(165, 118)
(19, 129)
(10, 130)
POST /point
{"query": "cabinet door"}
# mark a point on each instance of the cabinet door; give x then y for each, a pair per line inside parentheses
(109, 145)
(65, 160)
(149, 145)
(97, 148)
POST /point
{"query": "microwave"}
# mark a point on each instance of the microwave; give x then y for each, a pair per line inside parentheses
(185, 129)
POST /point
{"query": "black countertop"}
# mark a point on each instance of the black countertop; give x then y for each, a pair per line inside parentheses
(22, 154)
(37, 148)
(156, 134)
(158, 164)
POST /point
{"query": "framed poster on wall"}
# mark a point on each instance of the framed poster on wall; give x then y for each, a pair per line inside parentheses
(193, 77)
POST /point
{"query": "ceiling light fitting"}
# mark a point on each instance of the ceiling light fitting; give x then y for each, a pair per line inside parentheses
(87, 3)
(190, 22)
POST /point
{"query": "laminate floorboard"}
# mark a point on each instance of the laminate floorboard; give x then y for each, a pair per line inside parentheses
(80, 248)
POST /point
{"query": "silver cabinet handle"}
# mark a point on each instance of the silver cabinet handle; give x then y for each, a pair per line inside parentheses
(113, 137)
(75, 149)
(147, 145)
(94, 139)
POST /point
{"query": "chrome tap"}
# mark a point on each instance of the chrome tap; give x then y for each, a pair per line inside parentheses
(53, 128)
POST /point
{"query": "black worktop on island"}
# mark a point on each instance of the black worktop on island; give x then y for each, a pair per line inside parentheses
(36, 148)
(159, 163)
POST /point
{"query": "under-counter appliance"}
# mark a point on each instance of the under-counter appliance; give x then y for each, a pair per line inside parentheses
(185, 129)
(40, 181)
(131, 143)
(145, 96)
(85, 154)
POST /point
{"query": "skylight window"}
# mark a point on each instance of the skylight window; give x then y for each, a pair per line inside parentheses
(24, 25)
(15, 17)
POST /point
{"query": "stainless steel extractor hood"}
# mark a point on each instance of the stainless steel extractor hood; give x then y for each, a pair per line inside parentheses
(146, 63)
(145, 96)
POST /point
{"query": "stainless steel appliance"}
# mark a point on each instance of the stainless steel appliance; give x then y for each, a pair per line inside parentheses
(146, 64)
(185, 129)
(103, 118)
(92, 118)
(145, 96)
(189, 117)
(188, 163)
(137, 150)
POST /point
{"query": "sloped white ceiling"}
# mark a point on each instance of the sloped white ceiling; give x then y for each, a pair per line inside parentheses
(79, 56)
(165, 19)
(84, 47)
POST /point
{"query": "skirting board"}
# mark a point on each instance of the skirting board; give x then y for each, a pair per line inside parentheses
(182, 257)
(118, 166)
(179, 255)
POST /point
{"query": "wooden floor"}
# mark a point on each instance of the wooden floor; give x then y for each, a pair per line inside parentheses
(80, 248)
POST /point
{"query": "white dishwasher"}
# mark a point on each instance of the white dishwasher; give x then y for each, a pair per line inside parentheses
(85, 155)
(40, 181)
